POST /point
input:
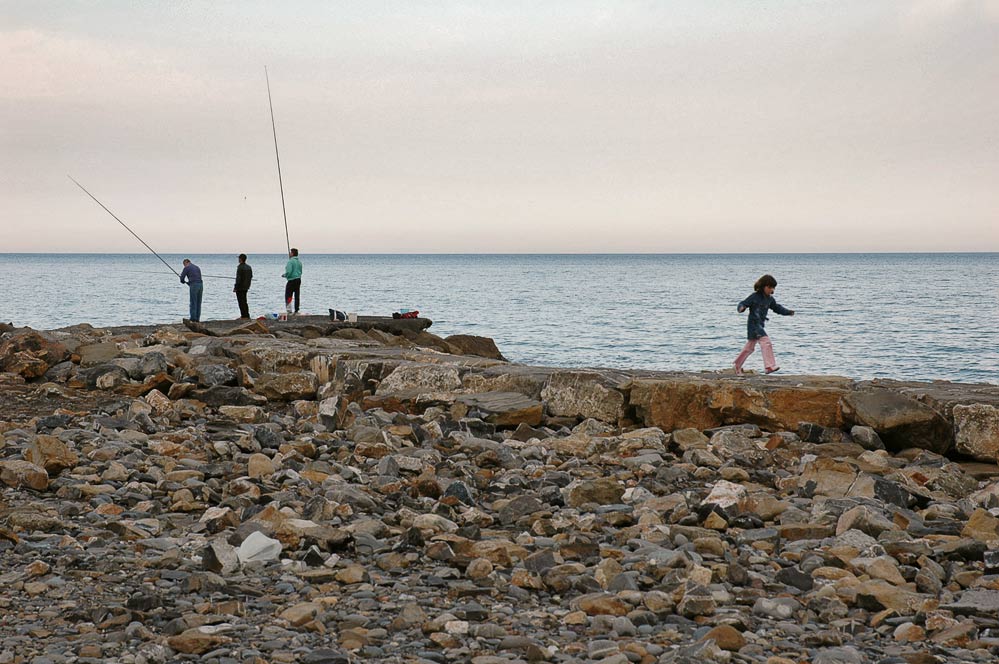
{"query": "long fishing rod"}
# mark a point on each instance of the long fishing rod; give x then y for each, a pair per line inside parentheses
(123, 224)
(287, 238)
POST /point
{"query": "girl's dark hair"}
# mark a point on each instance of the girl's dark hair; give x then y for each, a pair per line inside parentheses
(763, 282)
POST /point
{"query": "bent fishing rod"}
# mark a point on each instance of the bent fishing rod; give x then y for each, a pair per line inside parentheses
(287, 238)
(123, 224)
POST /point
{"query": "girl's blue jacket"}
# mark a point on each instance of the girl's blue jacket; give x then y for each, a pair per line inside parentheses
(758, 305)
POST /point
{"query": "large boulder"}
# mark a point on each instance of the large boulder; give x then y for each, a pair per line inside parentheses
(220, 395)
(152, 363)
(468, 344)
(288, 387)
(245, 414)
(253, 327)
(30, 354)
(900, 421)
(352, 379)
(276, 355)
(827, 477)
(26, 364)
(976, 431)
(105, 376)
(17, 473)
(324, 366)
(197, 640)
(420, 378)
(500, 408)
(160, 381)
(602, 491)
(687, 401)
(585, 394)
(216, 374)
(48, 350)
(526, 380)
(425, 339)
(92, 355)
(51, 454)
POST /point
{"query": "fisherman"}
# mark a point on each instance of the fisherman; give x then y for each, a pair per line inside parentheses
(244, 275)
(293, 273)
(191, 275)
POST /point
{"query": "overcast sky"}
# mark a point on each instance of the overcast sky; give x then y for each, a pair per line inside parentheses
(501, 126)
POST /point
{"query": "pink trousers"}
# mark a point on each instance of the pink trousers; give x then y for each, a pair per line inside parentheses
(769, 362)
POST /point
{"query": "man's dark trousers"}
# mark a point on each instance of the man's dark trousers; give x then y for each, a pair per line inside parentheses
(244, 307)
(292, 288)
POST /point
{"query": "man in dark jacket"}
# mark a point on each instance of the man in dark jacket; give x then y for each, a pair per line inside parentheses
(244, 275)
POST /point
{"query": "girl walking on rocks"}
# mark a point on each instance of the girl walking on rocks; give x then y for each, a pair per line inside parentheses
(759, 303)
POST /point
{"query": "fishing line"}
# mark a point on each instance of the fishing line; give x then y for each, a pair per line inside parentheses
(204, 276)
(123, 224)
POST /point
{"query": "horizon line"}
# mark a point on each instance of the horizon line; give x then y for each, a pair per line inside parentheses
(517, 253)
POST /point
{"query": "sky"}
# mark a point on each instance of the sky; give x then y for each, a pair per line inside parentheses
(501, 127)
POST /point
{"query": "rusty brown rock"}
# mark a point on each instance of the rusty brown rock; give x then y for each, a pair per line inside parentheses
(982, 526)
(17, 473)
(726, 637)
(26, 364)
(499, 408)
(597, 604)
(602, 491)
(699, 403)
(196, 641)
(467, 344)
(30, 345)
(288, 387)
(51, 454)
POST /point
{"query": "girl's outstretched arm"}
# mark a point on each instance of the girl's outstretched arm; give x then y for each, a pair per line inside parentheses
(783, 311)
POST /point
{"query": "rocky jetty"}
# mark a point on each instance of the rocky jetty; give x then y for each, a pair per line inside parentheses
(300, 492)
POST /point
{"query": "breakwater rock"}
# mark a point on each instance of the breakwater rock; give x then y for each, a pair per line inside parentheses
(304, 492)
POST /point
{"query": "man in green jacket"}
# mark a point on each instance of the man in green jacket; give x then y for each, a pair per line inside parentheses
(244, 275)
(293, 273)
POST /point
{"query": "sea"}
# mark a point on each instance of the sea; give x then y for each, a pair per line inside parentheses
(905, 316)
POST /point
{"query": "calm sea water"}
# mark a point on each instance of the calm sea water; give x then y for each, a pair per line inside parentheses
(914, 316)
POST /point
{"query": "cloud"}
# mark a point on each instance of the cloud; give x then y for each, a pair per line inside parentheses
(928, 14)
(42, 65)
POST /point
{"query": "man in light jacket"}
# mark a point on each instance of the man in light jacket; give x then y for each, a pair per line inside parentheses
(293, 273)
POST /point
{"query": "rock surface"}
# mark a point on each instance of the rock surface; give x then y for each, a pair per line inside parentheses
(977, 431)
(345, 495)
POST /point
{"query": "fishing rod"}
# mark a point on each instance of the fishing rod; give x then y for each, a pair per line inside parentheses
(123, 224)
(270, 103)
